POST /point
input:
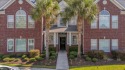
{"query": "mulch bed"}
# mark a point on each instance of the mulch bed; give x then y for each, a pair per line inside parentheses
(82, 62)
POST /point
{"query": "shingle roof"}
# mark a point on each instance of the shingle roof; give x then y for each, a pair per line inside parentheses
(70, 28)
(121, 2)
(3, 2)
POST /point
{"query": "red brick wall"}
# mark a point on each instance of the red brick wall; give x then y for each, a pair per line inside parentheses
(108, 33)
(14, 33)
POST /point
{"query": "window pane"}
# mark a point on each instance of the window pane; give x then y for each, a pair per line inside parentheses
(31, 44)
(104, 22)
(93, 44)
(104, 44)
(114, 44)
(20, 45)
(10, 21)
(74, 39)
(30, 22)
(94, 24)
(115, 22)
(21, 19)
(62, 23)
(10, 45)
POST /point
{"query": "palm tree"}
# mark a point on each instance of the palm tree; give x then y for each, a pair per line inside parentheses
(83, 10)
(47, 9)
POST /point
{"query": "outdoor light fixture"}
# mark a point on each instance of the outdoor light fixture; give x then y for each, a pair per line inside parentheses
(104, 37)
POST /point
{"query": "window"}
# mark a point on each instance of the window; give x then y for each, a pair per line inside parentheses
(30, 44)
(74, 39)
(30, 22)
(94, 24)
(104, 19)
(114, 22)
(51, 38)
(62, 23)
(104, 44)
(20, 45)
(10, 45)
(93, 44)
(21, 19)
(10, 21)
(114, 44)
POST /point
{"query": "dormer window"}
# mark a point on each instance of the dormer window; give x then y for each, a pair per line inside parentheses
(62, 24)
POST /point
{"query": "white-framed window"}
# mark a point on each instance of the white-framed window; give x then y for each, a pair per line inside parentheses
(104, 44)
(20, 45)
(94, 44)
(31, 23)
(20, 19)
(115, 22)
(31, 44)
(10, 45)
(62, 24)
(104, 20)
(51, 38)
(114, 44)
(10, 21)
(94, 24)
(74, 39)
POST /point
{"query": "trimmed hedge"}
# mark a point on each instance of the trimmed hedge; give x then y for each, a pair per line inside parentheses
(73, 48)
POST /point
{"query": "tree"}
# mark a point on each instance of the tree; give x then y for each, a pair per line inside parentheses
(49, 10)
(83, 10)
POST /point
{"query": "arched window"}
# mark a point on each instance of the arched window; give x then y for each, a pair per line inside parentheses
(104, 19)
(20, 19)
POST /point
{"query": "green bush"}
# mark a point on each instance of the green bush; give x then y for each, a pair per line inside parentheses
(32, 59)
(52, 57)
(88, 59)
(1, 55)
(122, 55)
(43, 55)
(115, 54)
(96, 54)
(73, 53)
(52, 48)
(73, 48)
(19, 55)
(26, 59)
(6, 56)
(71, 56)
(8, 59)
(39, 58)
(52, 52)
(94, 59)
(34, 53)
(24, 56)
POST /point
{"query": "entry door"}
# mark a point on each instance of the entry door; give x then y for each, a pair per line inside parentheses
(62, 43)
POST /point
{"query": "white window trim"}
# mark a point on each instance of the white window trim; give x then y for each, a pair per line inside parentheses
(117, 23)
(30, 22)
(8, 21)
(8, 45)
(109, 44)
(16, 47)
(33, 44)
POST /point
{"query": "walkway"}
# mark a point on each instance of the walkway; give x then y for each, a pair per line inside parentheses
(62, 61)
(35, 69)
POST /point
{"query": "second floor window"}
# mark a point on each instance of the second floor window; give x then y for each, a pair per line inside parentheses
(30, 22)
(20, 19)
(104, 20)
(10, 21)
(115, 22)
(62, 24)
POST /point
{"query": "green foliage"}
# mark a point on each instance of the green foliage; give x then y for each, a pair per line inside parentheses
(6, 56)
(34, 53)
(19, 55)
(74, 53)
(73, 48)
(26, 59)
(71, 56)
(52, 49)
(32, 59)
(7, 59)
(1, 55)
(115, 54)
(88, 59)
(39, 58)
(24, 56)
(94, 59)
(96, 54)
(52, 57)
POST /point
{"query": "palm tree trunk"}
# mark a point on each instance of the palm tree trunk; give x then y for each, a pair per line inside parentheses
(47, 43)
(79, 44)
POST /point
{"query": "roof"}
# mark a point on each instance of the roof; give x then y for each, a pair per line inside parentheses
(3, 2)
(121, 2)
(70, 28)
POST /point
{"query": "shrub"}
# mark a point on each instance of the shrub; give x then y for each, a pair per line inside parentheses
(34, 53)
(1, 55)
(71, 56)
(52, 57)
(96, 54)
(73, 53)
(88, 59)
(122, 55)
(16, 59)
(24, 56)
(32, 59)
(6, 56)
(94, 59)
(52, 48)
(73, 48)
(115, 54)
(42, 55)
(52, 52)
(39, 58)
(19, 55)
(8, 59)
(26, 59)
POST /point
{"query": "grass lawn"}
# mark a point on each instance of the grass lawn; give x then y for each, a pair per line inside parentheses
(105, 67)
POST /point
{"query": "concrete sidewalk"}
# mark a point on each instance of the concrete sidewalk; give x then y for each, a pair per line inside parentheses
(62, 61)
(35, 69)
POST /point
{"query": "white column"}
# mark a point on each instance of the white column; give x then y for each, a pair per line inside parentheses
(57, 38)
(45, 39)
(54, 39)
(70, 39)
